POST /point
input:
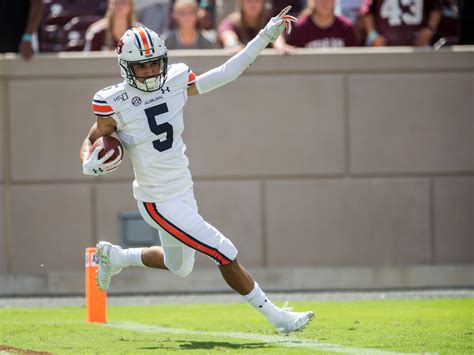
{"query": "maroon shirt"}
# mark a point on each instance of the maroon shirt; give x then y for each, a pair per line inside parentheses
(230, 23)
(307, 34)
(396, 22)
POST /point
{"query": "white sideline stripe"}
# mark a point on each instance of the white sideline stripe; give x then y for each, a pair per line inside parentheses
(290, 342)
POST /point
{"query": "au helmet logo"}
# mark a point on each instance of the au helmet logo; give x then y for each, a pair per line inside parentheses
(119, 47)
(136, 101)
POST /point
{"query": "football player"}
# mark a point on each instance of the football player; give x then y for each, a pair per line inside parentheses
(146, 112)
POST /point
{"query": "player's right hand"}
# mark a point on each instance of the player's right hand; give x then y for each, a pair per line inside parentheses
(277, 25)
(95, 166)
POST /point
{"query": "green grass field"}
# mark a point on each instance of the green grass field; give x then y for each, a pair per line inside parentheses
(415, 326)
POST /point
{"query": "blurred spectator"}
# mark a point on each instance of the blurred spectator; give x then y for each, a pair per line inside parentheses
(65, 22)
(392, 23)
(154, 14)
(318, 27)
(187, 34)
(207, 15)
(466, 17)
(206, 18)
(224, 8)
(296, 6)
(19, 20)
(448, 28)
(351, 10)
(105, 33)
(238, 28)
(348, 8)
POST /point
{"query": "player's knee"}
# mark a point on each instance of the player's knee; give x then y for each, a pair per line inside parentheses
(228, 249)
(184, 270)
(179, 260)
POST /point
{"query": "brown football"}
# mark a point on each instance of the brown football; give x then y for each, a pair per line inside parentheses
(109, 143)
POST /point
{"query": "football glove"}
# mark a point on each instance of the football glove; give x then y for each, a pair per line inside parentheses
(95, 166)
(277, 25)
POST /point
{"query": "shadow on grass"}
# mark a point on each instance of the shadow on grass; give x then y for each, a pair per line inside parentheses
(209, 345)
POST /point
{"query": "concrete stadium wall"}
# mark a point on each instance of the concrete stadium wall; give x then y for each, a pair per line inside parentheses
(342, 168)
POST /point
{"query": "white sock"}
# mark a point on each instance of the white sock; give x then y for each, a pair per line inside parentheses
(261, 303)
(127, 257)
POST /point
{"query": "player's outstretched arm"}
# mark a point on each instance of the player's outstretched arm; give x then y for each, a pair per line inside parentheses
(236, 65)
(105, 126)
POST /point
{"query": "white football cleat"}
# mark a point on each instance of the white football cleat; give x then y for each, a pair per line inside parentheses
(106, 267)
(292, 321)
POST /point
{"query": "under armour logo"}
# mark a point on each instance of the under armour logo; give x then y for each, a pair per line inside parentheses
(165, 90)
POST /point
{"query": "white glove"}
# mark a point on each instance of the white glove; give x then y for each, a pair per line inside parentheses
(277, 25)
(95, 166)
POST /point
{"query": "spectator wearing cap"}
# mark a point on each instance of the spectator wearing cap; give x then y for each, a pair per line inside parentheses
(19, 20)
(239, 27)
(104, 34)
(187, 34)
(319, 27)
(392, 23)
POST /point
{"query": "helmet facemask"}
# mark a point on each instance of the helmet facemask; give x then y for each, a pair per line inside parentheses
(150, 83)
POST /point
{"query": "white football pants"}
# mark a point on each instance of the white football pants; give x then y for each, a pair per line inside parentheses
(182, 231)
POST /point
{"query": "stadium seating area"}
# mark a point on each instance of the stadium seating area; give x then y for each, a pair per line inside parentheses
(65, 22)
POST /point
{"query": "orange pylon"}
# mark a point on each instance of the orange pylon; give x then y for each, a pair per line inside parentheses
(96, 300)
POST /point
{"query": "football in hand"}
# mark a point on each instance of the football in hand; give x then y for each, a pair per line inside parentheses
(109, 143)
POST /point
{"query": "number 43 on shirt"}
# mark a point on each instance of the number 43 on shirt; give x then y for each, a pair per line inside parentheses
(393, 12)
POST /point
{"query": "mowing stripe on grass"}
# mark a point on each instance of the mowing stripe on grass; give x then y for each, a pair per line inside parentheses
(290, 342)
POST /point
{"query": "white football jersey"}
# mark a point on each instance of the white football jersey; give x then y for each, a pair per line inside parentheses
(150, 126)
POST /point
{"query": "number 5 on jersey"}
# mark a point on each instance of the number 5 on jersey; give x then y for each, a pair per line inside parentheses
(162, 143)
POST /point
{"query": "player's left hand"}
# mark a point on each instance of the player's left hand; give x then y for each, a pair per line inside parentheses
(95, 166)
(278, 24)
